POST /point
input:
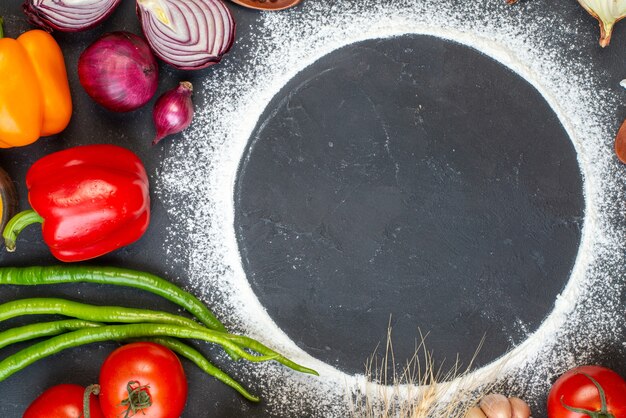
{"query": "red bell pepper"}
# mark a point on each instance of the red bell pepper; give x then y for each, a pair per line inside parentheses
(90, 199)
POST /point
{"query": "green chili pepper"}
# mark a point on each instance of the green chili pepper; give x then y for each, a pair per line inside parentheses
(204, 364)
(255, 345)
(38, 275)
(42, 329)
(53, 345)
(47, 329)
(39, 306)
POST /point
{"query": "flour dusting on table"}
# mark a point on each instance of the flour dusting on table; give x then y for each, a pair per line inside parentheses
(201, 170)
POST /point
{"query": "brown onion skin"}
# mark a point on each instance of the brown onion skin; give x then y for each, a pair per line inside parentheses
(119, 71)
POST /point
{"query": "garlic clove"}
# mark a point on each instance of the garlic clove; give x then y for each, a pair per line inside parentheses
(475, 412)
(519, 408)
(496, 406)
(607, 12)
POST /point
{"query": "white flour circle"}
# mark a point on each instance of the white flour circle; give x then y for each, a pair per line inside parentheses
(567, 298)
(201, 172)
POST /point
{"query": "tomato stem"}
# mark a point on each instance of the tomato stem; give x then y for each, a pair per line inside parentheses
(138, 398)
(89, 390)
(600, 392)
(602, 413)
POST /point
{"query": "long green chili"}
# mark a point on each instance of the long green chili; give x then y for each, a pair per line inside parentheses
(41, 275)
(42, 329)
(53, 345)
(39, 306)
(255, 345)
(38, 275)
(47, 329)
(204, 364)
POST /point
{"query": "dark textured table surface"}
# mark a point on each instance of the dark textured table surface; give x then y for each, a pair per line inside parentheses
(359, 265)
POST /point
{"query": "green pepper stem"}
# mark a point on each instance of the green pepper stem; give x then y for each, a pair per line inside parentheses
(17, 224)
(1, 28)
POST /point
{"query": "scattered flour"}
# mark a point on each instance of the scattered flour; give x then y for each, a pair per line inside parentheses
(201, 170)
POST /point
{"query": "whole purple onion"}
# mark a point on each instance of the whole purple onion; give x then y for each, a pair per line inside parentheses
(119, 71)
(173, 111)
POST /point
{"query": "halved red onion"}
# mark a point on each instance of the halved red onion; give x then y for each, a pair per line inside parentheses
(68, 15)
(187, 34)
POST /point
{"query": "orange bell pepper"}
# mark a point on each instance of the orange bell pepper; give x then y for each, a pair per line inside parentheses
(35, 96)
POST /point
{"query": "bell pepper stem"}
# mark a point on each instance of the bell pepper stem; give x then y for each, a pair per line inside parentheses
(1, 27)
(17, 224)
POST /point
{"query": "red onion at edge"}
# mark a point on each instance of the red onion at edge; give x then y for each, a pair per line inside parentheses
(173, 111)
(57, 15)
(119, 71)
(187, 34)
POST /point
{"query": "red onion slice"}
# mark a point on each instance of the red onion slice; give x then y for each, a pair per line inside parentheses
(68, 15)
(187, 34)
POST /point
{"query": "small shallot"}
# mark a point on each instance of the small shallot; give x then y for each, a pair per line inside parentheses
(119, 71)
(173, 111)
(68, 16)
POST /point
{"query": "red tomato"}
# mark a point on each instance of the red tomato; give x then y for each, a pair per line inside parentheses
(576, 390)
(151, 372)
(62, 401)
